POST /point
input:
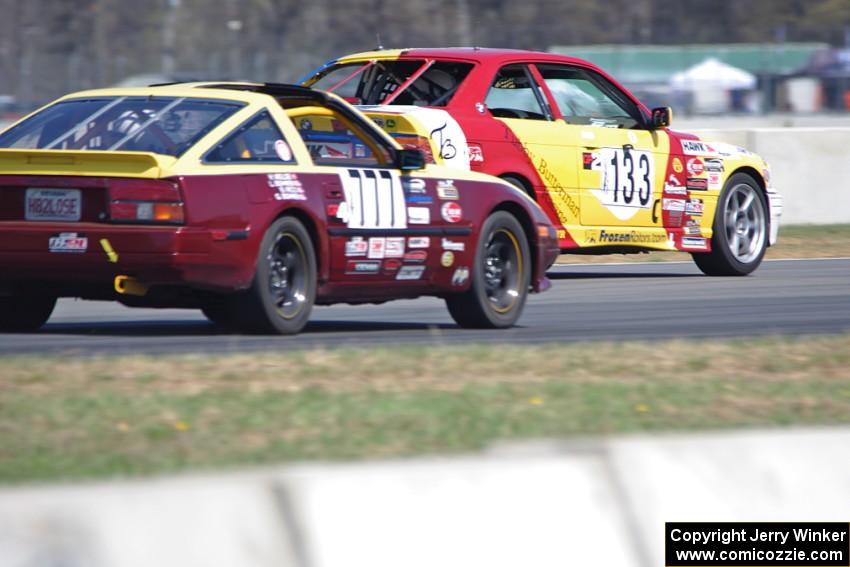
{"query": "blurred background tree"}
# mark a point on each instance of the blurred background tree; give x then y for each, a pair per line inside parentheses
(49, 47)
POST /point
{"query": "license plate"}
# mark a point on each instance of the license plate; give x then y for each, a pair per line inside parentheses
(53, 204)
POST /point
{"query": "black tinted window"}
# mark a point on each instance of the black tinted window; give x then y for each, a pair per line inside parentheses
(258, 140)
(163, 125)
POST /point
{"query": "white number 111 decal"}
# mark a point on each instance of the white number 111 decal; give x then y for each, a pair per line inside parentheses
(373, 199)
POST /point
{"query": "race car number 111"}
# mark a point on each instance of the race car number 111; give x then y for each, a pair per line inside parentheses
(627, 177)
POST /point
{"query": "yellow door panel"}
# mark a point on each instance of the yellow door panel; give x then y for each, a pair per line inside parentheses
(553, 153)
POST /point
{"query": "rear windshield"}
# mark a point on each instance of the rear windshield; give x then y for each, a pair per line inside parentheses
(378, 82)
(162, 125)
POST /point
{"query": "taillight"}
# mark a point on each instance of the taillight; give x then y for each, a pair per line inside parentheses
(145, 201)
(415, 142)
(146, 212)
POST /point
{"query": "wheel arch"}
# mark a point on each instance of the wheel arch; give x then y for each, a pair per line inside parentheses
(762, 187)
(318, 239)
(526, 183)
(527, 224)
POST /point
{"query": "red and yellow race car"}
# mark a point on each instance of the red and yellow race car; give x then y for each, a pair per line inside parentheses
(609, 172)
(251, 202)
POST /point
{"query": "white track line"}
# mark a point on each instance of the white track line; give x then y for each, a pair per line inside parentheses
(651, 263)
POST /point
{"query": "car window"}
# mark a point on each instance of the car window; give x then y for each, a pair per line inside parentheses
(379, 83)
(163, 125)
(258, 140)
(514, 95)
(587, 98)
(331, 142)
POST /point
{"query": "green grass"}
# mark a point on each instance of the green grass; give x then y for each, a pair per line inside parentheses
(795, 241)
(133, 416)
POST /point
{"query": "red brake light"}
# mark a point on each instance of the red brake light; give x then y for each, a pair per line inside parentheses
(145, 202)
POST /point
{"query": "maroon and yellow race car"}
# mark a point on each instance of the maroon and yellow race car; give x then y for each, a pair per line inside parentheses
(251, 202)
(609, 172)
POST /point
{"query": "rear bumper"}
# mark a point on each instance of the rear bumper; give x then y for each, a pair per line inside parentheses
(154, 255)
(548, 250)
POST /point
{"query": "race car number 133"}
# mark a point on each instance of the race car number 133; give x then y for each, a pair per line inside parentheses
(627, 177)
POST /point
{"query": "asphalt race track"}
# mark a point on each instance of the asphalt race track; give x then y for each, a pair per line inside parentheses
(587, 302)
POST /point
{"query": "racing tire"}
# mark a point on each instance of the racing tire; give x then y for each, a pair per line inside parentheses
(740, 230)
(220, 310)
(519, 184)
(500, 277)
(25, 313)
(281, 295)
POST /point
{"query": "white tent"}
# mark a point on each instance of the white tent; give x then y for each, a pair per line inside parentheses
(713, 74)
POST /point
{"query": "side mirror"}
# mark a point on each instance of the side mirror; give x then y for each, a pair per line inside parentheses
(409, 159)
(662, 117)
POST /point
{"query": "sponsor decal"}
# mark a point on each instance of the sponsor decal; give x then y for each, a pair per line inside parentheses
(305, 124)
(453, 245)
(451, 212)
(390, 122)
(357, 246)
(413, 186)
(287, 187)
(68, 242)
(282, 150)
(630, 237)
(691, 242)
(419, 199)
(392, 265)
(673, 205)
(692, 230)
(479, 106)
(416, 256)
(418, 242)
(410, 273)
(714, 165)
(377, 247)
(447, 259)
(446, 190)
(587, 160)
(394, 247)
(697, 184)
(714, 181)
(379, 121)
(476, 154)
(695, 167)
(460, 277)
(362, 267)
(694, 148)
(694, 207)
(673, 186)
(677, 165)
(359, 150)
(418, 215)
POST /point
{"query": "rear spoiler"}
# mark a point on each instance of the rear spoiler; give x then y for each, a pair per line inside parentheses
(86, 163)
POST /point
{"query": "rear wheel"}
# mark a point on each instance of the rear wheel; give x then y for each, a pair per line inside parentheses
(739, 238)
(520, 184)
(282, 293)
(25, 314)
(500, 277)
(219, 309)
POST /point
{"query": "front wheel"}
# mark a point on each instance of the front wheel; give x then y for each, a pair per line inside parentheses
(284, 288)
(740, 229)
(500, 277)
(25, 314)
